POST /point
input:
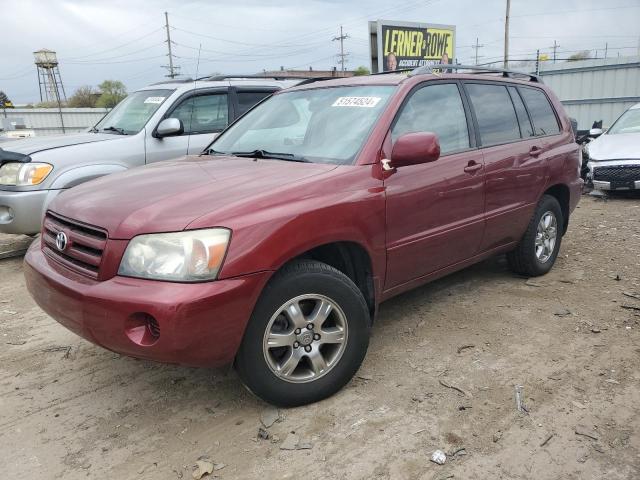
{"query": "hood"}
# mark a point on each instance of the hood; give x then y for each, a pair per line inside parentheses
(168, 196)
(621, 146)
(32, 145)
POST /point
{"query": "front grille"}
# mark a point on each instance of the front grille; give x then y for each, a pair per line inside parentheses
(618, 173)
(85, 244)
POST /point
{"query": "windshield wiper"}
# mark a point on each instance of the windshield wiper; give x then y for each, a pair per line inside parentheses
(211, 151)
(93, 130)
(114, 129)
(266, 154)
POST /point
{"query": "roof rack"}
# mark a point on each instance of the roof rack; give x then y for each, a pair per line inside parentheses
(180, 80)
(214, 78)
(474, 69)
(399, 70)
(306, 81)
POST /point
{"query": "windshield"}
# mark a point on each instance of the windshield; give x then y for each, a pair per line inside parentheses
(327, 125)
(132, 113)
(629, 122)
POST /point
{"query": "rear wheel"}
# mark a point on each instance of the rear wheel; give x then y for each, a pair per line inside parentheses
(307, 336)
(537, 251)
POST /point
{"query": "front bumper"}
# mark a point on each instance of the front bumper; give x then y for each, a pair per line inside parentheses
(199, 324)
(614, 174)
(22, 212)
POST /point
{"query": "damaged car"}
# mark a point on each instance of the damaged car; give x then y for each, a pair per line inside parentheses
(613, 158)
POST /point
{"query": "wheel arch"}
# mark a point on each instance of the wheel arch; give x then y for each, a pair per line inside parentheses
(561, 193)
(350, 258)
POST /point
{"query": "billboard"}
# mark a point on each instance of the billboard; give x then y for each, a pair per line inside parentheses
(398, 45)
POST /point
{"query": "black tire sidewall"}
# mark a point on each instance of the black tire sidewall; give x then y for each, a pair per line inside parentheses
(306, 278)
(547, 204)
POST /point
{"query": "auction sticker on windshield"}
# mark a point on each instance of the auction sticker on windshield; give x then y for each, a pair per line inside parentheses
(154, 99)
(365, 102)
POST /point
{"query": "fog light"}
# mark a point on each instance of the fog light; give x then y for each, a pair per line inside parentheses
(142, 329)
(6, 214)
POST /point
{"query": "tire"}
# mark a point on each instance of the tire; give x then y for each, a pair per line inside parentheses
(291, 300)
(525, 259)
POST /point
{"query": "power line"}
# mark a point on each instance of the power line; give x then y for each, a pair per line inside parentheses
(119, 61)
(93, 61)
(560, 12)
(117, 47)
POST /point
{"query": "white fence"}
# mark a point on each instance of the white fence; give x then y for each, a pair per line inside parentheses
(47, 121)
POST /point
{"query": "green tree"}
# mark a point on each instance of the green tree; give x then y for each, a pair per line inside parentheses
(111, 92)
(583, 55)
(84, 96)
(361, 70)
(4, 100)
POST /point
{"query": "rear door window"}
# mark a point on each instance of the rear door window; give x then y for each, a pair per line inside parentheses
(526, 130)
(246, 100)
(542, 114)
(495, 114)
(438, 109)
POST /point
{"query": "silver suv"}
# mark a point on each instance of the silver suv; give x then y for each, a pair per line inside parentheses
(159, 122)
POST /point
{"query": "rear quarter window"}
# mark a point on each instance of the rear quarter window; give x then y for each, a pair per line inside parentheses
(542, 114)
(246, 100)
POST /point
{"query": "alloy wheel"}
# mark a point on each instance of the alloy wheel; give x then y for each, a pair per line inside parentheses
(546, 236)
(305, 338)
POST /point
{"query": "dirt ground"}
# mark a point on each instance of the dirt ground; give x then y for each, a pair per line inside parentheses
(70, 410)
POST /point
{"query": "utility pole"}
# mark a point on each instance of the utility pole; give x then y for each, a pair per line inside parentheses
(555, 48)
(342, 55)
(606, 47)
(172, 69)
(476, 47)
(506, 35)
(538, 62)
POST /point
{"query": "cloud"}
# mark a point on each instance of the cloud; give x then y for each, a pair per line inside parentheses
(125, 40)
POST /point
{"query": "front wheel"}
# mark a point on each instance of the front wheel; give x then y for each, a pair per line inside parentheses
(537, 251)
(307, 337)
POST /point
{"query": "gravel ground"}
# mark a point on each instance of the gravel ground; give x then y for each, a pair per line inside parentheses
(571, 339)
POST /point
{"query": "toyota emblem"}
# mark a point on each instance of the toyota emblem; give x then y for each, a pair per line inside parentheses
(61, 241)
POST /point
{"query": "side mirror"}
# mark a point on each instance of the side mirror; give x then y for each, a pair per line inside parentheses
(595, 132)
(169, 127)
(415, 148)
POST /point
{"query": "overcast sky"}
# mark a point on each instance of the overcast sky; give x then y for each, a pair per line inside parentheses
(124, 40)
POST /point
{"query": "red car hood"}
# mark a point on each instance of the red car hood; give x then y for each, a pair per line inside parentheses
(168, 196)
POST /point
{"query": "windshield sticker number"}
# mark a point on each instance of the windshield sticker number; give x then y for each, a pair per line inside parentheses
(154, 99)
(362, 102)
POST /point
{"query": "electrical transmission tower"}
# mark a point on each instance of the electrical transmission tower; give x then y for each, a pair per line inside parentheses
(342, 56)
(49, 80)
(477, 47)
(555, 49)
(173, 69)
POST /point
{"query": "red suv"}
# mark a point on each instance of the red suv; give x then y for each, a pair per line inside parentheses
(274, 248)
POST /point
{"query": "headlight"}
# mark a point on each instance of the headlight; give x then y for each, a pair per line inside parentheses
(191, 256)
(24, 174)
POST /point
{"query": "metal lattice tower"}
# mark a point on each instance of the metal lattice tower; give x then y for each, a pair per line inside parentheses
(49, 80)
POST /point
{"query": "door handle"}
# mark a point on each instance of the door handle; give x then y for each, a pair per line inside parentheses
(473, 166)
(535, 151)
